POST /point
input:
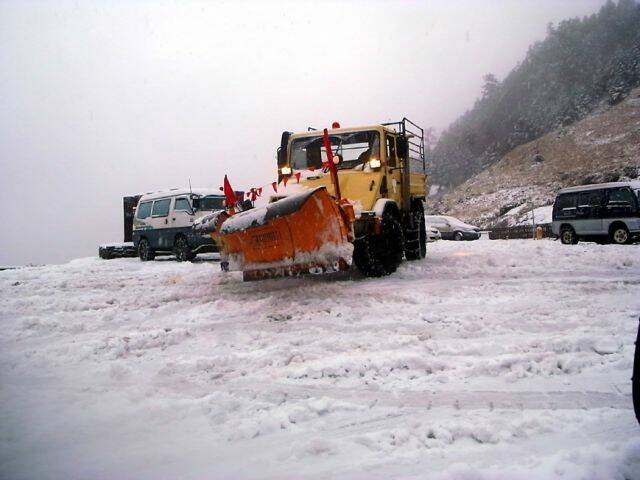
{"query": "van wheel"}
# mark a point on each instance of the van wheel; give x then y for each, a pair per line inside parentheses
(182, 250)
(145, 252)
(568, 236)
(620, 235)
(458, 236)
(379, 255)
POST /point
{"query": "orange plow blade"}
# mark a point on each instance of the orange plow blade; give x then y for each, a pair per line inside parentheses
(303, 233)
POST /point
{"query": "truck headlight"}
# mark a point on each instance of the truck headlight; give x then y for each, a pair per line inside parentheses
(375, 163)
(285, 170)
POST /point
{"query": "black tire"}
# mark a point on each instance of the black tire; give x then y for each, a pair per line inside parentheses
(415, 235)
(458, 236)
(104, 254)
(568, 236)
(145, 252)
(380, 255)
(182, 249)
(619, 235)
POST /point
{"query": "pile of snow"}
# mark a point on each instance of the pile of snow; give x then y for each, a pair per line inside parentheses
(496, 359)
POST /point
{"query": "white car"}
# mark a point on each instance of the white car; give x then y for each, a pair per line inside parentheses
(452, 228)
(433, 234)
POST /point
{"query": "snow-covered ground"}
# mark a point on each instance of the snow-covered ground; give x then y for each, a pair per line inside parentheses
(488, 360)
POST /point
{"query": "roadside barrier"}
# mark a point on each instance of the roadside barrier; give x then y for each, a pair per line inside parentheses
(520, 232)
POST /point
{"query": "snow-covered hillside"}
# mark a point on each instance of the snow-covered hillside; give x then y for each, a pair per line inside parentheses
(488, 360)
(603, 147)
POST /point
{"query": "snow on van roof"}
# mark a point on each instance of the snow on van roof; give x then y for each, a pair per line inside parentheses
(174, 192)
(635, 184)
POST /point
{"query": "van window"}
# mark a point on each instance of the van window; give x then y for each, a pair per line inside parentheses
(161, 208)
(621, 195)
(182, 204)
(591, 198)
(565, 205)
(144, 210)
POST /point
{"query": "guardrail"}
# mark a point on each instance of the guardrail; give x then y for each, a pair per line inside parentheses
(519, 232)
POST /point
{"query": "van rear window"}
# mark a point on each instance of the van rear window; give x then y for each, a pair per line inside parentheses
(144, 210)
(568, 200)
(161, 208)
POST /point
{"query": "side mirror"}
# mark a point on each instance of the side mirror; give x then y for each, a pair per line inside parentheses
(402, 147)
(195, 202)
(282, 150)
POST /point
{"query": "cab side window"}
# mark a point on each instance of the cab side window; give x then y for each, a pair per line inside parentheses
(161, 208)
(182, 204)
(144, 210)
(391, 151)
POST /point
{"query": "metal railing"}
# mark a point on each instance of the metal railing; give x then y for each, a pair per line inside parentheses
(415, 137)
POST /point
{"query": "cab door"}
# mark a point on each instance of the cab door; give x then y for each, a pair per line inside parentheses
(394, 171)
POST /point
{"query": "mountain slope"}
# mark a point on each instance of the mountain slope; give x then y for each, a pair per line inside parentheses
(561, 80)
(605, 146)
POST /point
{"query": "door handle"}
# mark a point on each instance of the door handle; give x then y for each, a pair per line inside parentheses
(166, 221)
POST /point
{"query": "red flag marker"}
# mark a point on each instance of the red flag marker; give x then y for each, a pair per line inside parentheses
(297, 175)
(229, 194)
(274, 185)
(285, 179)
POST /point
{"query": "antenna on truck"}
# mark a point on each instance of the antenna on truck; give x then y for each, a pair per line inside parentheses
(190, 192)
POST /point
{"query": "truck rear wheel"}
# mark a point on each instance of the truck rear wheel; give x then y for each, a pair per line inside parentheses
(415, 235)
(377, 255)
(145, 252)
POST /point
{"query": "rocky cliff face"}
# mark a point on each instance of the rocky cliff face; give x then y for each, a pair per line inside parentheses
(603, 147)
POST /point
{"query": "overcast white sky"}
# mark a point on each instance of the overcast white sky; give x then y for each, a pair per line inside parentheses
(104, 99)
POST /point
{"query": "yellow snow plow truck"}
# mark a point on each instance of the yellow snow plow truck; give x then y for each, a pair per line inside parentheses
(345, 196)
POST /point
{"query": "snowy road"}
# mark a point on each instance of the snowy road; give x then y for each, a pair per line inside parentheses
(490, 359)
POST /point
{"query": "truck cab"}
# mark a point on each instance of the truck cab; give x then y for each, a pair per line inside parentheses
(381, 172)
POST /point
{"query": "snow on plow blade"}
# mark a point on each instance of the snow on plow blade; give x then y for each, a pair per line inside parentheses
(303, 233)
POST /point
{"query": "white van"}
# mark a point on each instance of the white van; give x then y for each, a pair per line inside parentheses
(163, 223)
(601, 212)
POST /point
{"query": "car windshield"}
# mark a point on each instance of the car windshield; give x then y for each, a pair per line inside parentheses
(355, 149)
(212, 203)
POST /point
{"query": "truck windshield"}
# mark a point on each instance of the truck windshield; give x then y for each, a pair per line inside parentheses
(355, 149)
(212, 203)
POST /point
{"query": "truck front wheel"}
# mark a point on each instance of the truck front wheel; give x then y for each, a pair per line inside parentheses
(377, 255)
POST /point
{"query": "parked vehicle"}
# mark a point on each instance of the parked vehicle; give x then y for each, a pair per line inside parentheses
(452, 228)
(433, 234)
(163, 223)
(379, 168)
(125, 248)
(601, 212)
